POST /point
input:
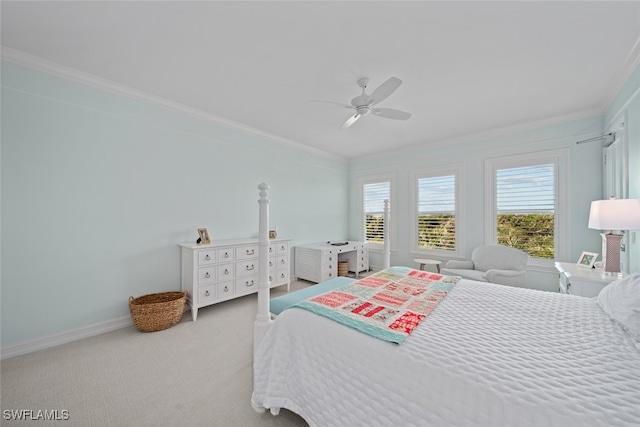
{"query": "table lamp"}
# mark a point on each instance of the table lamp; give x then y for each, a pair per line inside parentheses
(614, 214)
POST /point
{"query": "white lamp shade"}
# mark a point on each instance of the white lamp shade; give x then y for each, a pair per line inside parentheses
(615, 214)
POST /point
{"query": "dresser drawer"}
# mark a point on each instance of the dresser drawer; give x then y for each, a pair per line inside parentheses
(247, 284)
(279, 278)
(225, 289)
(282, 248)
(206, 257)
(245, 252)
(206, 294)
(282, 262)
(206, 275)
(226, 271)
(247, 268)
(226, 254)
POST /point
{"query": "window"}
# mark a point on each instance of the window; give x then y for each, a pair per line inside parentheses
(436, 210)
(525, 209)
(374, 191)
(374, 195)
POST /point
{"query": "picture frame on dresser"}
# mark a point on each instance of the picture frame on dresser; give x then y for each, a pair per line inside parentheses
(587, 259)
(203, 236)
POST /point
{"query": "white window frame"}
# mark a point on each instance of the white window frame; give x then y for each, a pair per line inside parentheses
(458, 171)
(560, 160)
(373, 179)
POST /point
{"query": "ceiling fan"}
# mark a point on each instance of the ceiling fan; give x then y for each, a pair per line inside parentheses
(365, 104)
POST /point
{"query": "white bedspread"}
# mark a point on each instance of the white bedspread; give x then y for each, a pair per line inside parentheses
(488, 355)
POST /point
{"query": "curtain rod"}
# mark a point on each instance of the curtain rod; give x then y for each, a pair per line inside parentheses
(597, 138)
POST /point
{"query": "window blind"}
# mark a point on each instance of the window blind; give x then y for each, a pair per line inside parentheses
(374, 195)
(437, 212)
(525, 206)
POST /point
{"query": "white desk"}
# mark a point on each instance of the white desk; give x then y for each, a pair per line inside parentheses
(319, 261)
(587, 282)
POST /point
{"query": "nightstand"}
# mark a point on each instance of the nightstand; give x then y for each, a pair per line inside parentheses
(586, 282)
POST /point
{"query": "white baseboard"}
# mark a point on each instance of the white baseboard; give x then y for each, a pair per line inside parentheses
(64, 337)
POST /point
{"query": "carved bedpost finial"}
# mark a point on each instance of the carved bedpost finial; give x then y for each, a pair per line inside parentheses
(264, 187)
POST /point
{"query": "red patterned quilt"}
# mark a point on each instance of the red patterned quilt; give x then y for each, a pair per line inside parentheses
(388, 305)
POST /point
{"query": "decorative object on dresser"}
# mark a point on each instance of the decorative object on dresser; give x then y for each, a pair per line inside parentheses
(319, 261)
(587, 259)
(614, 214)
(586, 282)
(203, 238)
(228, 269)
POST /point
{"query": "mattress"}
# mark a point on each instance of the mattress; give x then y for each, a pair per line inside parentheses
(487, 355)
(278, 304)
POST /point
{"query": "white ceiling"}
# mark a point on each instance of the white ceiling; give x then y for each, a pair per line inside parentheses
(467, 67)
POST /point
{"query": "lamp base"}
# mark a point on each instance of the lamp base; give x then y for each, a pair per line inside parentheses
(611, 252)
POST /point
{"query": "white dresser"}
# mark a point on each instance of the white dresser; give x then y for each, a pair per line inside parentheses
(228, 269)
(587, 282)
(319, 261)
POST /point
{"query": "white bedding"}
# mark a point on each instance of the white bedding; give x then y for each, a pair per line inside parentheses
(488, 355)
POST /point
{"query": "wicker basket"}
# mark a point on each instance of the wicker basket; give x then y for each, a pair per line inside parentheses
(343, 268)
(155, 312)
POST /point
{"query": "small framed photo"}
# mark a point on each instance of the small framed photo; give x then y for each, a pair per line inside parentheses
(203, 236)
(587, 259)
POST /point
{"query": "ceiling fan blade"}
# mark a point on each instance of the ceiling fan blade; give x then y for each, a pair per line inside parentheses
(384, 90)
(390, 113)
(331, 102)
(351, 120)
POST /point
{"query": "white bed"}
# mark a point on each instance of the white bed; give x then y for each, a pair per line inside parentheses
(487, 355)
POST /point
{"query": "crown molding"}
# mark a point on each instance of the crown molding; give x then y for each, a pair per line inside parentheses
(493, 133)
(630, 63)
(37, 63)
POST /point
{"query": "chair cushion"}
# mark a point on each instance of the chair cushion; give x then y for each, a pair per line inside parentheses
(499, 257)
(465, 274)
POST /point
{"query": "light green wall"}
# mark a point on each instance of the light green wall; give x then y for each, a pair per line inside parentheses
(585, 177)
(627, 105)
(99, 189)
(585, 182)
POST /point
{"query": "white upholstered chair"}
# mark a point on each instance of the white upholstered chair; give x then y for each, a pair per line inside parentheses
(492, 263)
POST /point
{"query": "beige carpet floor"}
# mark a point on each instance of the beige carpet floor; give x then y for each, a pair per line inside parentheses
(193, 374)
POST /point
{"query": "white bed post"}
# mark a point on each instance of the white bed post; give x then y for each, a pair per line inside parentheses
(263, 319)
(385, 232)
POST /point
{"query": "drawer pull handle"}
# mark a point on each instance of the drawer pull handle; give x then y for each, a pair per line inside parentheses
(330, 258)
(207, 275)
(250, 283)
(270, 249)
(282, 275)
(207, 257)
(249, 268)
(270, 263)
(206, 293)
(226, 271)
(270, 279)
(226, 289)
(282, 248)
(282, 261)
(226, 254)
(250, 252)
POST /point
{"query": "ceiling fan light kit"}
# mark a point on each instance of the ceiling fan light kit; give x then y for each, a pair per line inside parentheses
(365, 104)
